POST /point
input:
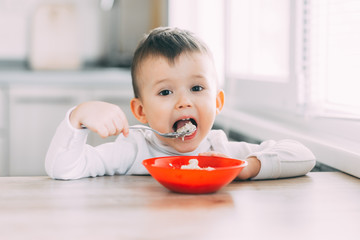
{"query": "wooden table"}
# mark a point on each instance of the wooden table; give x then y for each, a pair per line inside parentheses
(316, 206)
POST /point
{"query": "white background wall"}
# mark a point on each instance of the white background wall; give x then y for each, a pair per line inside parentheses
(134, 17)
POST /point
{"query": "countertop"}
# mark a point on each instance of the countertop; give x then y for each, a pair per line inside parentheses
(320, 205)
(85, 77)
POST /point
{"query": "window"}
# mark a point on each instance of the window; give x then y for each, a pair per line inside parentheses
(332, 62)
(258, 40)
(260, 55)
(311, 47)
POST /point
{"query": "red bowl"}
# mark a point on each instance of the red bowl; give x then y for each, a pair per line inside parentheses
(168, 172)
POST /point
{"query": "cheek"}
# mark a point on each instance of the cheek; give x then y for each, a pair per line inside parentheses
(207, 110)
(155, 109)
(209, 104)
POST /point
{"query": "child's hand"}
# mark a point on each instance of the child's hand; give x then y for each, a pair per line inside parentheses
(213, 154)
(250, 171)
(106, 119)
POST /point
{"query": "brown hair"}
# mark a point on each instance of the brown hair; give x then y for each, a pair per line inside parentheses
(165, 42)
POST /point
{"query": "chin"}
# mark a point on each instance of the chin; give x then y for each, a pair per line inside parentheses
(186, 149)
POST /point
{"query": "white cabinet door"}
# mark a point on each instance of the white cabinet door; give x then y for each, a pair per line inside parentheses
(3, 157)
(35, 113)
(4, 167)
(3, 107)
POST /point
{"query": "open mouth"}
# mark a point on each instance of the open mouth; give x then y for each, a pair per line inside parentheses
(182, 122)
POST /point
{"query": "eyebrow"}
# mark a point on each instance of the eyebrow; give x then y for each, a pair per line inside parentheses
(161, 81)
(198, 76)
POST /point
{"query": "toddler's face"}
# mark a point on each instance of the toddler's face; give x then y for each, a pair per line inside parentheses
(172, 95)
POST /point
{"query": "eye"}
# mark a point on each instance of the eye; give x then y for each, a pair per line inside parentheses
(197, 88)
(165, 92)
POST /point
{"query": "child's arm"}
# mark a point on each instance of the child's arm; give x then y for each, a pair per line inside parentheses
(278, 159)
(268, 160)
(101, 117)
(250, 171)
(69, 157)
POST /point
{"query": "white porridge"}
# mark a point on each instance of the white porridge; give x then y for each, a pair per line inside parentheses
(194, 164)
(187, 129)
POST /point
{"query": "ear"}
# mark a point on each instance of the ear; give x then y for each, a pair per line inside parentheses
(220, 100)
(137, 109)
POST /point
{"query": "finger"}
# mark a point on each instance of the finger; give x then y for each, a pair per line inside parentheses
(210, 153)
(117, 126)
(204, 154)
(111, 128)
(125, 124)
(102, 131)
(213, 154)
(219, 155)
(120, 123)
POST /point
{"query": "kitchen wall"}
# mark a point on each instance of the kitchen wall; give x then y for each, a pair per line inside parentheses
(96, 30)
(16, 19)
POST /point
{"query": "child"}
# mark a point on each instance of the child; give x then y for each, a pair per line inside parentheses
(174, 82)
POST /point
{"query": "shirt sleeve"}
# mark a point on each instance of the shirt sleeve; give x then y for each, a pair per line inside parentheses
(279, 159)
(284, 158)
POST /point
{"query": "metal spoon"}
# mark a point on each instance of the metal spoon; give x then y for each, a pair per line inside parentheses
(167, 135)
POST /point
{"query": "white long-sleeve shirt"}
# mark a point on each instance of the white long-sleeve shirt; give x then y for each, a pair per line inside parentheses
(69, 157)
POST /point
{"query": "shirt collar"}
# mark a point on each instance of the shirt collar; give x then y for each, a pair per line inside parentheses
(156, 143)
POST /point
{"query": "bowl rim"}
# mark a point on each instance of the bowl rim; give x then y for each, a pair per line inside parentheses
(244, 163)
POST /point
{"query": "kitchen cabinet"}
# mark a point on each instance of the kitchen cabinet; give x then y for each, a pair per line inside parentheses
(36, 111)
(33, 103)
(3, 161)
(3, 133)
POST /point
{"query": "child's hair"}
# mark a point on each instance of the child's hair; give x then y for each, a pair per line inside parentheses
(164, 42)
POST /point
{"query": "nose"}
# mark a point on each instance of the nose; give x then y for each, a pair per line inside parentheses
(183, 101)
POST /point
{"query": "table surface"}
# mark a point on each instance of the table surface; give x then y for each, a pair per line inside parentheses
(320, 205)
